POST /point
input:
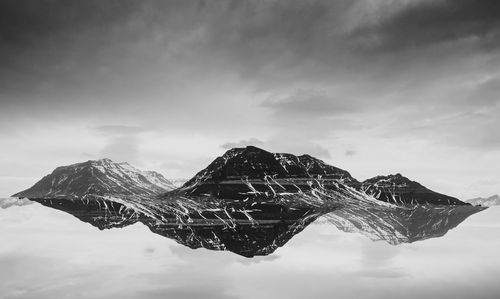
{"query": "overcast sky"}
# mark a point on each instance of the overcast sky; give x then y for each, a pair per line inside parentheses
(374, 87)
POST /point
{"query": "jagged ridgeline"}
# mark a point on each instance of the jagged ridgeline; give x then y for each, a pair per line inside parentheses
(249, 201)
(100, 177)
(248, 173)
(251, 172)
(264, 227)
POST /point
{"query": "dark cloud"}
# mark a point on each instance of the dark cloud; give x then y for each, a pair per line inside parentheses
(427, 23)
(122, 142)
(242, 143)
(350, 152)
(310, 103)
(315, 77)
(486, 93)
(122, 149)
(149, 250)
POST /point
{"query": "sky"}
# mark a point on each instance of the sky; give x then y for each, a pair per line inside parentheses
(373, 87)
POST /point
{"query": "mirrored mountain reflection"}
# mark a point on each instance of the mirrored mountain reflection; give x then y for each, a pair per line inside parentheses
(259, 228)
(249, 201)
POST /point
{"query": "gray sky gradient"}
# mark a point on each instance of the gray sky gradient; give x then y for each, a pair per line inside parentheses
(374, 87)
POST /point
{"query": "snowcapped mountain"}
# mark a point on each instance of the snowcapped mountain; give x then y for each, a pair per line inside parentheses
(485, 202)
(398, 189)
(97, 177)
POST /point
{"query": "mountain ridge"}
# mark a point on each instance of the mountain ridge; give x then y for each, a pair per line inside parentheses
(259, 166)
(101, 177)
(238, 174)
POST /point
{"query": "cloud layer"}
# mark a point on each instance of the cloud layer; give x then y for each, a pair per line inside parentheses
(372, 86)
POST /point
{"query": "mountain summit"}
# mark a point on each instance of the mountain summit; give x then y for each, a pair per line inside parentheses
(232, 174)
(254, 163)
(398, 189)
(98, 177)
(248, 173)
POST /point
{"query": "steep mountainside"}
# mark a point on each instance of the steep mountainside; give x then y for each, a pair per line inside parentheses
(232, 173)
(250, 228)
(251, 171)
(401, 224)
(398, 189)
(319, 169)
(100, 177)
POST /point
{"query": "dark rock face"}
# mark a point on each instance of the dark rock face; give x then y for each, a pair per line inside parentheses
(249, 201)
(102, 177)
(247, 229)
(320, 169)
(251, 229)
(398, 189)
(251, 172)
(401, 224)
(255, 163)
(250, 162)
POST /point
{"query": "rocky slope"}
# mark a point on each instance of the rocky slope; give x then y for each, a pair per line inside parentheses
(251, 229)
(99, 178)
(249, 174)
(401, 224)
(398, 189)
(243, 173)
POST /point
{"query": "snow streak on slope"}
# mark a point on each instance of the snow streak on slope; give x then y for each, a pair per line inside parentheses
(100, 177)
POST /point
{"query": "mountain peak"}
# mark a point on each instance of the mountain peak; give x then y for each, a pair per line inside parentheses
(101, 177)
(396, 188)
(252, 163)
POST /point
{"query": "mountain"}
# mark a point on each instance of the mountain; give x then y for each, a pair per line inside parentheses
(401, 224)
(255, 163)
(247, 229)
(98, 177)
(250, 229)
(398, 189)
(249, 172)
(485, 202)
